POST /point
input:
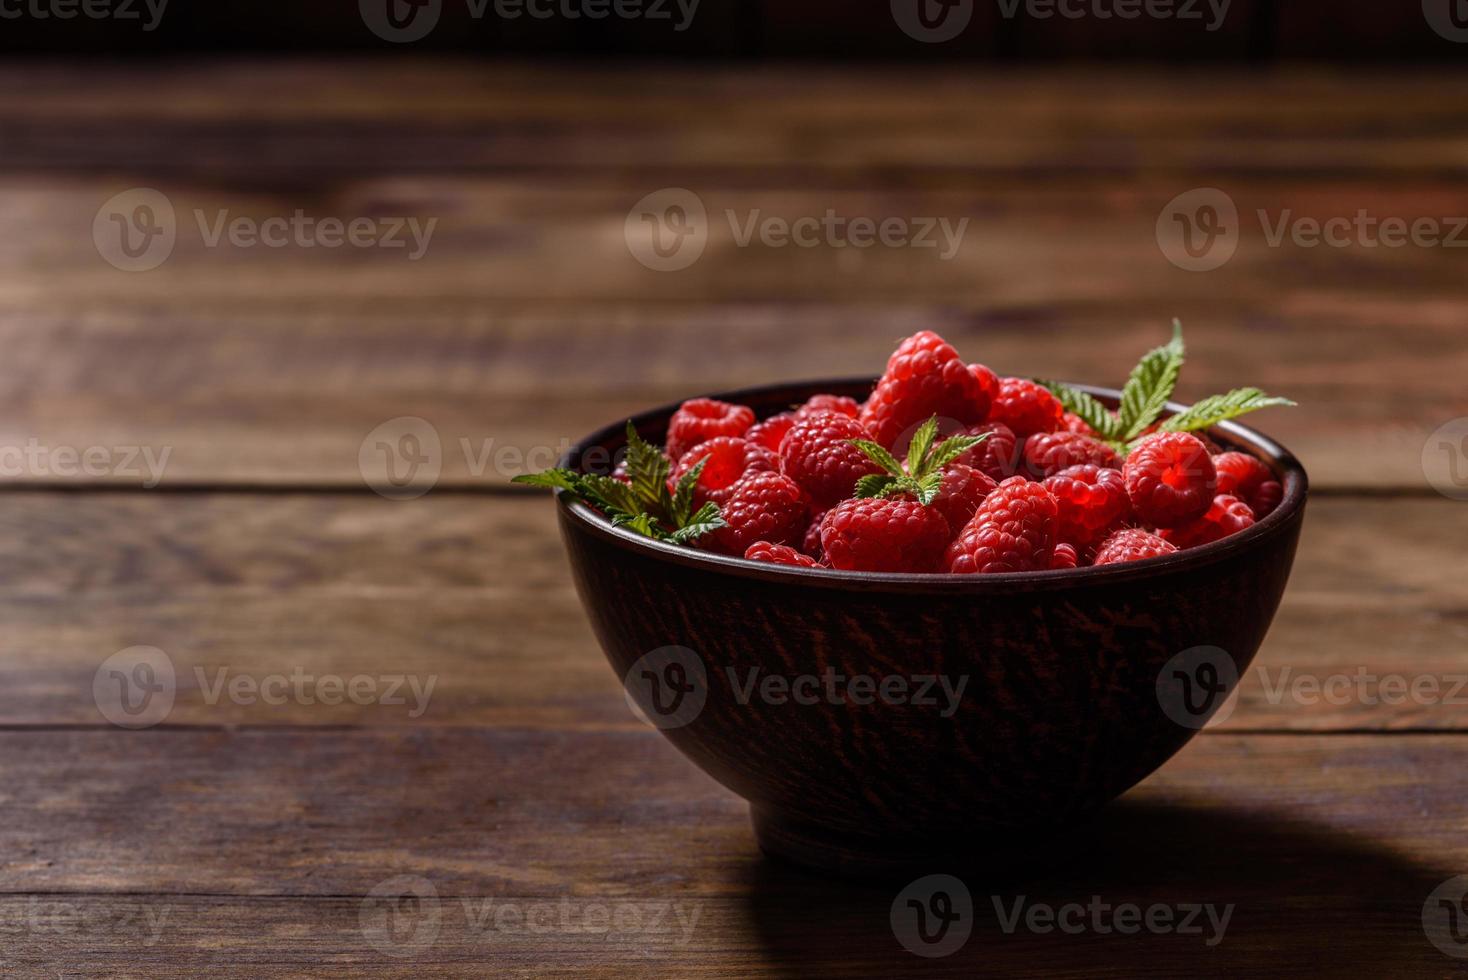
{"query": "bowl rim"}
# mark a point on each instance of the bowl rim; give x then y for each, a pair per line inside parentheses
(1294, 480)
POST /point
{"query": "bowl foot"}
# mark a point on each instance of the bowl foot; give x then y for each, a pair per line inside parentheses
(986, 856)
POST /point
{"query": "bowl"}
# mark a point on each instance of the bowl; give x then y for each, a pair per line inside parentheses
(883, 723)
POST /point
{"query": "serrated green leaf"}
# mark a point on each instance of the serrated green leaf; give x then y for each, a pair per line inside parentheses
(1151, 383)
(641, 523)
(922, 441)
(1219, 408)
(683, 495)
(950, 449)
(648, 469)
(878, 455)
(554, 478)
(705, 521)
(1090, 411)
(609, 494)
(874, 485)
(928, 487)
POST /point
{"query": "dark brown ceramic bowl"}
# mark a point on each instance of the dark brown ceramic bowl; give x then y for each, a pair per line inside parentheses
(1076, 684)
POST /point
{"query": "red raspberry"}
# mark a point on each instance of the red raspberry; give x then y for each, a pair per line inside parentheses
(1013, 531)
(762, 507)
(924, 377)
(998, 455)
(729, 459)
(1250, 480)
(1064, 557)
(779, 554)
(1092, 501)
(839, 404)
(1050, 452)
(987, 379)
(883, 534)
(701, 419)
(964, 489)
(1071, 422)
(1132, 544)
(1170, 479)
(769, 432)
(1228, 515)
(1026, 407)
(817, 454)
(811, 544)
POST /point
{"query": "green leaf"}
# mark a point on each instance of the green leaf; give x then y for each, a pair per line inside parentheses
(922, 441)
(1219, 408)
(950, 449)
(648, 469)
(706, 520)
(1146, 392)
(1086, 408)
(609, 494)
(554, 478)
(683, 495)
(878, 455)
(874, 485)
(928, 488)
(641, 523)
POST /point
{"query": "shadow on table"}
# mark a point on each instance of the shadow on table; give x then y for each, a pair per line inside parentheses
(1306, 899)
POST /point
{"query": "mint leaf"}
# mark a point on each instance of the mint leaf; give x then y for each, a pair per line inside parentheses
(1219, 408)
(1151, 383)
(1086, 408)
(950, 449)
(609, 494)
(683, 495)
(706, 520)
(874, 485)
(878, 455)
(648, 469)
(922, 441)
(928, 488)
(554, 478)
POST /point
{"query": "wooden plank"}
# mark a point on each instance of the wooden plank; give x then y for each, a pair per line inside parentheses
(295, 122)
(471, 595)
(250, 853)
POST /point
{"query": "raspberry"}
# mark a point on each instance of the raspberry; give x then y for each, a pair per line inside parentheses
(1026, 407)
(779, 554)
(1064, 557)
(816, 453)
(1071, 422)
(761, 507)
(769, 432)
(701, 419)
(998, 455)
(1250, 480)
(964, 489)
(729, 459)
(1132, 544)
(1091, 502)
(839, 404)
(1050, 452)
(1013, 531)
(884, 534)
(811, 544)
(924, 377)
(1170, 479)
(987, 380)
(1228, 515)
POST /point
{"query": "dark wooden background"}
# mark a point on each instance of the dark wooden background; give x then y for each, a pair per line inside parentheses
(256, 831)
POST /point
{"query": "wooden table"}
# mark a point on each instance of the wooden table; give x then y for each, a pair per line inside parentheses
(244, 838)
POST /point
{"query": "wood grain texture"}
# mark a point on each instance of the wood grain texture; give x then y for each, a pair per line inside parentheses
(255, 851)
(473, 593)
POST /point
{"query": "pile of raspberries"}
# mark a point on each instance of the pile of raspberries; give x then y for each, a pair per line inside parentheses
(1040, 492)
